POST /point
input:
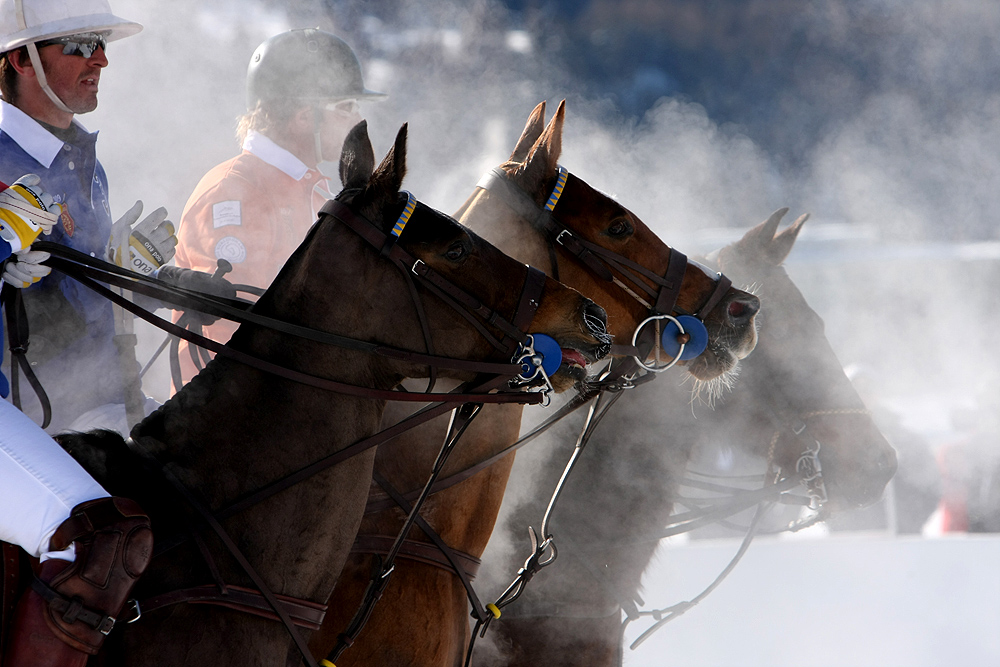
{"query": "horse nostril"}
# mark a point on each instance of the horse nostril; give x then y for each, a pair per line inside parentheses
(595, 317)
(744, 308)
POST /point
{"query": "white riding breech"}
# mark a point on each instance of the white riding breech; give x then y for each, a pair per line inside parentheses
(39, 484)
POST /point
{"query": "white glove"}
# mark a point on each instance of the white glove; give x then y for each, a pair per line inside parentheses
(151, 244)
(24, 268)
(26, 211)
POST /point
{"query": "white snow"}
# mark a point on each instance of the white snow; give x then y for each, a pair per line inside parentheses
(845, 600)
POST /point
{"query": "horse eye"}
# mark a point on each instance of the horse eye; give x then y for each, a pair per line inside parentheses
(455, 252)
(619, 227)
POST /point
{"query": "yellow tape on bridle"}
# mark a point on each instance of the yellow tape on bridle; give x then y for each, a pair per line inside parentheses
(558, 190)
(411, 203)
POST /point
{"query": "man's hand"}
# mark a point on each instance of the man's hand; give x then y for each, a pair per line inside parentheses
(150, 245)
(24, 268)
(198, 281)
(26, 211)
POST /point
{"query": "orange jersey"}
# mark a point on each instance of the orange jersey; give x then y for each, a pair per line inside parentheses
(253, 210)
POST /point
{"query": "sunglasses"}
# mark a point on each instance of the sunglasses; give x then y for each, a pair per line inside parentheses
(344, 107)
(83, 44)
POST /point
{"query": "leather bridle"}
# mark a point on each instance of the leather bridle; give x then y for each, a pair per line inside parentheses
(660, 300)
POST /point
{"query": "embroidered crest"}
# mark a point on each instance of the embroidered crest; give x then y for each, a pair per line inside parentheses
(69, 225)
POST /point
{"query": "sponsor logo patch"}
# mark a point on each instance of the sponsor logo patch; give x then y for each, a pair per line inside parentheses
(226, 213)
(231, 249)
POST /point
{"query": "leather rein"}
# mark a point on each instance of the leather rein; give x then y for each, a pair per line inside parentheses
(513, 340)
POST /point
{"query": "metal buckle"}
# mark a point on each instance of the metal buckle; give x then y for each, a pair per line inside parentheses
(133, 607)
(413, 269)
(107, 625)
(560, 235)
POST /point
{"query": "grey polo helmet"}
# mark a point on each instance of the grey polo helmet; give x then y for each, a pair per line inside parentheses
(305, 64)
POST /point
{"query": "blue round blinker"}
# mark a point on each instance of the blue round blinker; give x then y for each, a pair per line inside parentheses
(692, 326)
(548, 349)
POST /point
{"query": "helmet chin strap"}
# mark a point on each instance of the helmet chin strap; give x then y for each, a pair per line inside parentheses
(36, 62)
(317, 113)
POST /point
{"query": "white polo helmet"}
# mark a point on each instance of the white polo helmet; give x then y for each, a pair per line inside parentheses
(27, 21)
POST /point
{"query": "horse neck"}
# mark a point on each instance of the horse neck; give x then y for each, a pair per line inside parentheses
(234, 427)
(489, 217)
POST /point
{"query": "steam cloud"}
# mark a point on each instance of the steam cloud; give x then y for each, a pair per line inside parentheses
(887, 131)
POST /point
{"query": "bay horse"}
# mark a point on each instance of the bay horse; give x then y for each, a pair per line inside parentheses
(422, 617)
(623, 490)
(234, 429)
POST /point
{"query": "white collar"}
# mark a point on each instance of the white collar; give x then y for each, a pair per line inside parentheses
(36, 141)
(275, 155)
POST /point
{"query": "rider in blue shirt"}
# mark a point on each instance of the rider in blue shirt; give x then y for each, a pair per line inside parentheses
(72, 328)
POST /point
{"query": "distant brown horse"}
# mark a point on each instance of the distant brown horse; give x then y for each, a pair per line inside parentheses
(624, 488)
(234, 429)
(423, 617)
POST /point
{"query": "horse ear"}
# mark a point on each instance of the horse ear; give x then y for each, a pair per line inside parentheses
(765, 243)
(393, 166)
(757, 239)
(383, 189)
(541, 163)
(782, 244)
(532, 130)
(357, 159)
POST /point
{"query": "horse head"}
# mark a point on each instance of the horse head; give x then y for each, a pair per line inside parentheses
(485, 274)
(813, 405)
(601, 248)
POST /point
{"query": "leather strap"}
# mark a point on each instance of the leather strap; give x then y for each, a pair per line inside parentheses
(17, 334)
(72, 610)
(304, 613)
(426, 414)
(380, 502)
(376, 238)
(79, 265)
(497, 182)
(670, 289)
(10, 569)
(530, 398)
(207, 517)
(422, 552)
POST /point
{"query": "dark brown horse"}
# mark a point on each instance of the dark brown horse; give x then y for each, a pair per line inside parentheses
(422, 618)
(234, 429)
(622, 492)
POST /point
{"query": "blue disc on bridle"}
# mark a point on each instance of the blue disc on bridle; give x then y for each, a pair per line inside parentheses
(693, 327)
(548, 349)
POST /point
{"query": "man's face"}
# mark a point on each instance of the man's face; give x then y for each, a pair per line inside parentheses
(73, 77)
(337, 120)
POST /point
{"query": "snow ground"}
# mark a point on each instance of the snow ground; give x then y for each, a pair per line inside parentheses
(844, 600)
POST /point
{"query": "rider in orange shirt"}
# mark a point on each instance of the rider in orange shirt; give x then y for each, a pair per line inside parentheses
(303, 88)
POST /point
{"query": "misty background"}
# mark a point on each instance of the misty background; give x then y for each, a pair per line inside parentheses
(881, 118)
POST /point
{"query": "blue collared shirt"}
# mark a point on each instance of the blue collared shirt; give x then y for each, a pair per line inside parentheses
(79, 366)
